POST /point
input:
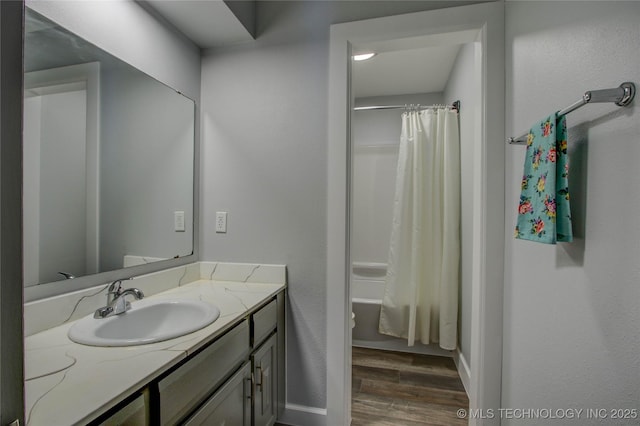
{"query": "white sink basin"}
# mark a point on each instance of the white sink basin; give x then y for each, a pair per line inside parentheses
(147, 321)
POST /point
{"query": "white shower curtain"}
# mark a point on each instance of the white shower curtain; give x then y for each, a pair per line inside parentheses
(421, 292)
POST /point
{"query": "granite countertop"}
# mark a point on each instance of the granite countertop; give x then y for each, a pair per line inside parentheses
(68, 383)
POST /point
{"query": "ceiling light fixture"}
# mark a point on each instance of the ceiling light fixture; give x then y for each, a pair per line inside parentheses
(363, 56)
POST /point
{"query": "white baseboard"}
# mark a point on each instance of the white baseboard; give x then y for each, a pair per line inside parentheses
(463, 369)
(300, 415)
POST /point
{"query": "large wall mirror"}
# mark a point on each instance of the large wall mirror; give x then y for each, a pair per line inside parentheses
(108, 161)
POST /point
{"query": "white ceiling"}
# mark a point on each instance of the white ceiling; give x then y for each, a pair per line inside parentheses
(208, 23)
(408, 71)
(402, 66)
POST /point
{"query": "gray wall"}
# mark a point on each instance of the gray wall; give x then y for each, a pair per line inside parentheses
(571, 315)
(462, 86)
(264, 161)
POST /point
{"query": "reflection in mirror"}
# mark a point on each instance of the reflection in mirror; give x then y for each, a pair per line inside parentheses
(108, 160)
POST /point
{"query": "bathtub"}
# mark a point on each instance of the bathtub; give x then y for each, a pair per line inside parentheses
(367, 292)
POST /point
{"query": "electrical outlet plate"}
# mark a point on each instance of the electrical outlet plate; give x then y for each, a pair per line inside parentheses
(221, 222)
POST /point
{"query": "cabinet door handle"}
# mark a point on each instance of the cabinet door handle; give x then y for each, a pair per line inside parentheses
(250, 382)
(259, 385)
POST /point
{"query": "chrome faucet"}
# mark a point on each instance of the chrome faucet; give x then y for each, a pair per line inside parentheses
(116, 303)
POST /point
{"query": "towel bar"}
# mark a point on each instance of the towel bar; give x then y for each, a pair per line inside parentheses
(621, 96)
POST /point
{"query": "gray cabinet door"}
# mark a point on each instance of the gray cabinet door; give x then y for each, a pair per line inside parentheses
(231, 405)
(265, 373)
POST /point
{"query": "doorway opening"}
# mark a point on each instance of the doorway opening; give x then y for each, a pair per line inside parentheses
(479, 30)
(439, 71)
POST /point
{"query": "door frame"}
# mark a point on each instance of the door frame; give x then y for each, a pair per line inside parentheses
(488, 271)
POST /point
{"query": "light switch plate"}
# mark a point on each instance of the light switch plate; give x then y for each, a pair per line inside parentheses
(178, 221)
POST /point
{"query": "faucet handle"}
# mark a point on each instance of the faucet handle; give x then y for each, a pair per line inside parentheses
(116, 286)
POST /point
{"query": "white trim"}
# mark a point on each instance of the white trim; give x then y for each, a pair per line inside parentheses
(487, 21)
(338, 259)
(295, 414)
(463, 370)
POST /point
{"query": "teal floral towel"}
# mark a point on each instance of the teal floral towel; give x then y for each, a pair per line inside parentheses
(543, 213)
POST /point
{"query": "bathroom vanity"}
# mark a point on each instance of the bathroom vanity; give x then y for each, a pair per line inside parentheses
(234, 376)
(229, 372)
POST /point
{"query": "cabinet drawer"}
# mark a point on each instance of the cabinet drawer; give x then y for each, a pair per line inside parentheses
(264, 322)
(182, 390)
(231, 405)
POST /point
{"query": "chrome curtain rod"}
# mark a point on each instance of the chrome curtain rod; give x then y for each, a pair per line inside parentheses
(455, 105)
(621, 96)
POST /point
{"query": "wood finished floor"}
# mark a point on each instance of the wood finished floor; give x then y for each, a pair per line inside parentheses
(397, 389)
